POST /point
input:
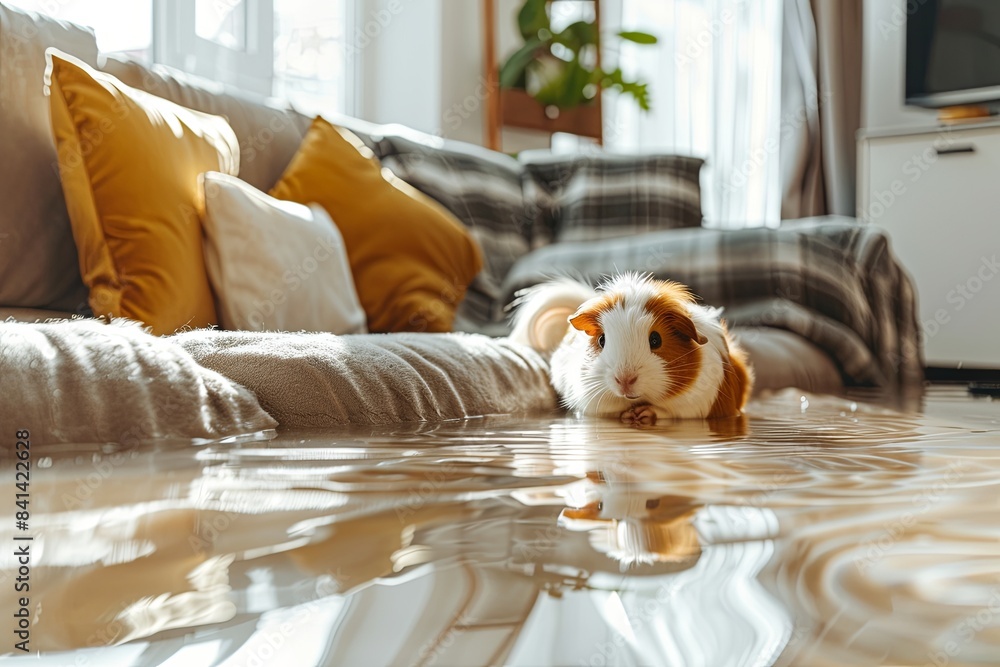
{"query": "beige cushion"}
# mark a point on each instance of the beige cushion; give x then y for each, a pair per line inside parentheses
(84, 381)
(269, 132)
(276, 265)
(38, 259)
(321, 380)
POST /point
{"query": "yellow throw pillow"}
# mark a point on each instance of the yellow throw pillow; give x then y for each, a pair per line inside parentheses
(129, 164)
(411, 259)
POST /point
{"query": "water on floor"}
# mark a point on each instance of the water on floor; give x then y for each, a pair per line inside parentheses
(819, 531)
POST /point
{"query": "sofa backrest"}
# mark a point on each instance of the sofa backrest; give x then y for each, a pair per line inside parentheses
(268, 130)
(38, 259)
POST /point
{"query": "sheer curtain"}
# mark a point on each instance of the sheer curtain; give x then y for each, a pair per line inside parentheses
(715, 79)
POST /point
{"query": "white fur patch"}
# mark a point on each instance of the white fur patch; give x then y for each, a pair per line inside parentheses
(586, 380)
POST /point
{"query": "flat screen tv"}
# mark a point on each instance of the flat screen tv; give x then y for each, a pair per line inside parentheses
(952, 52)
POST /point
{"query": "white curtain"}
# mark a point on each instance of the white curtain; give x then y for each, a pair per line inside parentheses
(715, 80)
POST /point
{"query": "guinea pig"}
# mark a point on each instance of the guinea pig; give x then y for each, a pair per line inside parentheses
(635, 349)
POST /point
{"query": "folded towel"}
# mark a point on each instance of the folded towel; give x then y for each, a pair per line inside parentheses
(318, 380)
(85, 381)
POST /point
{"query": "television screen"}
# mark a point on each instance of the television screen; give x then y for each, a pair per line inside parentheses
(952, 52)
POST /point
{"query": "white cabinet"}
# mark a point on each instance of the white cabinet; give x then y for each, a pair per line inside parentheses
(937, 192)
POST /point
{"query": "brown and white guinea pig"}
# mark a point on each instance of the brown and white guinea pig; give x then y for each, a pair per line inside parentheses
(636, 349)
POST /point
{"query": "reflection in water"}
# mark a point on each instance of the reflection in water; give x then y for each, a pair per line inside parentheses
(816, 532)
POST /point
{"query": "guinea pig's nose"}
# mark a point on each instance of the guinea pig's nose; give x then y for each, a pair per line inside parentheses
(626, 381)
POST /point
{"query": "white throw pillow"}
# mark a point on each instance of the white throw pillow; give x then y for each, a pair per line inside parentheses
(276, 265)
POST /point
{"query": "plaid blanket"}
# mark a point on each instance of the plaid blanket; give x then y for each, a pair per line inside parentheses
(833, 281)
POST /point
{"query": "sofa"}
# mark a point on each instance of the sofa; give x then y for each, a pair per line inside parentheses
(818, 303)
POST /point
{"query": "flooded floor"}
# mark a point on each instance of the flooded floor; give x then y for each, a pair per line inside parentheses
(820, 531)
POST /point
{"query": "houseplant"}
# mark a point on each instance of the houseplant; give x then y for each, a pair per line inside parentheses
(561, 68)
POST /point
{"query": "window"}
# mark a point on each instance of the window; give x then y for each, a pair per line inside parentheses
(121, 26)
(312, 66)
(294, 49)
(715, 80)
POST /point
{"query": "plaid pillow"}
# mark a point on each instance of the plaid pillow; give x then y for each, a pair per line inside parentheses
(482, 188)
(600, 196)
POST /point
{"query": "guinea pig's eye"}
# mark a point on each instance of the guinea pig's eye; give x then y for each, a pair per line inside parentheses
(655, 341)
(600, 341)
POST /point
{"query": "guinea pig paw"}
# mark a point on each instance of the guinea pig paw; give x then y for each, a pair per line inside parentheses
(639, 415)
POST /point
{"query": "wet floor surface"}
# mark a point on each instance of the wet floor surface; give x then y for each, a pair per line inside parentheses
(819, 531)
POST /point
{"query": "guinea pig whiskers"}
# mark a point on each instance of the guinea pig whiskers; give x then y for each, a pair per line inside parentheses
(596, 391)
(592, 385)
(674, 362)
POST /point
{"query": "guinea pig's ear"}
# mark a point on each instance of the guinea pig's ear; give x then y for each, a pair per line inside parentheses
(585, 318)
(684, 325)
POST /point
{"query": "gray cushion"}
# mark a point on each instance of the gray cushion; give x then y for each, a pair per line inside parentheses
(322, 380)
(39, 267)
(84, 381)
(597, 196)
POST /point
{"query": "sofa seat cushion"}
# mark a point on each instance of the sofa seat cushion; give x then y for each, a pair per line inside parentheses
(129, 164)
(783, 359)
(38, 260)
(86, 381)
(322, 380)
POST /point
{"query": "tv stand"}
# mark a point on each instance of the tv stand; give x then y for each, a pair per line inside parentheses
(936, 190)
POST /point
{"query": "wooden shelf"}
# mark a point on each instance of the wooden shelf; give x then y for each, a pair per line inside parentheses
(517, 109)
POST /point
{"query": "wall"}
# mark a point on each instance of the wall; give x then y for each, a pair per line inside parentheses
(399, 46)
(421, 64)
(883, 68)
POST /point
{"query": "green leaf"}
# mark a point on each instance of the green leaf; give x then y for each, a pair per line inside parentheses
(577, 35)
(616, 79)
(512, 71)
(533, 18)
(639, 91)
(638, 37)
(577, 78)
